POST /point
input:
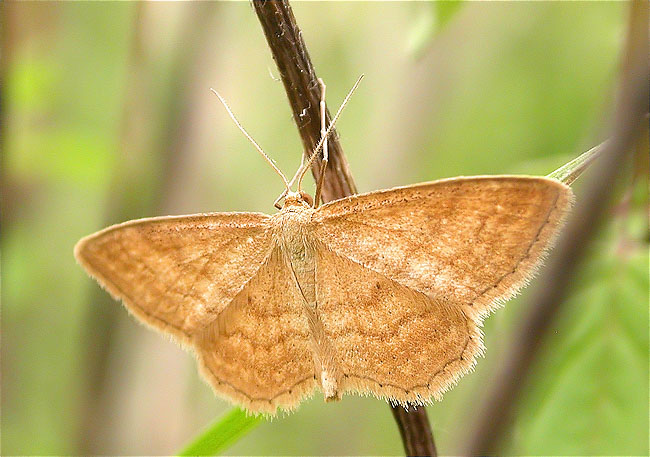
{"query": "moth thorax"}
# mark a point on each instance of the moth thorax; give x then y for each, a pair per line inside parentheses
(293, 233)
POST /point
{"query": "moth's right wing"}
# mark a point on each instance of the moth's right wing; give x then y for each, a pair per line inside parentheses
(178, 273)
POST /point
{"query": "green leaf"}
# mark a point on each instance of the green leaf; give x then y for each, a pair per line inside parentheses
(222, 434)
(446, 10)
(569, 172)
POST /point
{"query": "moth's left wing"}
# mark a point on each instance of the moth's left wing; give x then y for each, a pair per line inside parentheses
(178, 273)
(471, 241)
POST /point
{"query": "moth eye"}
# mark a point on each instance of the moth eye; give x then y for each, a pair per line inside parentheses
(306, 198)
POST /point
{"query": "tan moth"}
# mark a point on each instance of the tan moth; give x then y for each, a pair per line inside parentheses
(381, 293)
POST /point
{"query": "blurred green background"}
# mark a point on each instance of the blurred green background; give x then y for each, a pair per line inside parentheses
(107, 116)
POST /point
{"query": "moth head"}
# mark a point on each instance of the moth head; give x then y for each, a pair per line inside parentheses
(299, 198)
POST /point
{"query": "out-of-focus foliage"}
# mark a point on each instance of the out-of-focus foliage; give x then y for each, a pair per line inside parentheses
(107, 115)
(431, 21)
(590, 394)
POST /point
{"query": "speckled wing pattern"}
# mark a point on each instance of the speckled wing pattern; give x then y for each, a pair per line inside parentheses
(471, 241)
(409, 273)
(178, 273)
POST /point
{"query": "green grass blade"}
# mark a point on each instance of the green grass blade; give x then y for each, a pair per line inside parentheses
(569, 172)
(222, 434)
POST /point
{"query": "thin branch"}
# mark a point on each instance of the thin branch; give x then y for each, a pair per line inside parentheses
(494, 417)
(415, 430)
(301, 84)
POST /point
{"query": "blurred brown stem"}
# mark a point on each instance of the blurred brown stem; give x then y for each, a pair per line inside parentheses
(301, 84)
(632, 104)
(127, 199)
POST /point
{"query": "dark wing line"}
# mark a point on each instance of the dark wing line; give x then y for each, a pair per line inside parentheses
(289, 390)
(474, 349)
(526, 254)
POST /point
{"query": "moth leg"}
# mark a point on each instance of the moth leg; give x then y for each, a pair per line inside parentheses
(323, 130)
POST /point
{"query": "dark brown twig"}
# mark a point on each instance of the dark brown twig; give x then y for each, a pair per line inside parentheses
(415, 430)
(301, 84)
(632, 104)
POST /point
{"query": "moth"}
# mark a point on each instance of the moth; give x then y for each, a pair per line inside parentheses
(381, 293)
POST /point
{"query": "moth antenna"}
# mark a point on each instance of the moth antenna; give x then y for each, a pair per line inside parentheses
(257, 146)
(300, 174)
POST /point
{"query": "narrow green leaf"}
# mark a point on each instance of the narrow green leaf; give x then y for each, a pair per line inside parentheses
(222, 434)
(570, 171)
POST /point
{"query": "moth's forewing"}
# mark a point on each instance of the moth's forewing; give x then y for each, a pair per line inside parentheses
(177, 273)
(470, 241)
